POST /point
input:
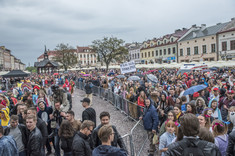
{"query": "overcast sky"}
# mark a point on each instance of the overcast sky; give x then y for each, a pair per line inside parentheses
(27, 25)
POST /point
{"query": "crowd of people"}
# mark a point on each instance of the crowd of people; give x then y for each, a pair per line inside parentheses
(37, 112)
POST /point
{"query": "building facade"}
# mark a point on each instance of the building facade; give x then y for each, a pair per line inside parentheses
(147, 51)
(226, 42)
(199, 44)
(134, 52)
(86, 57)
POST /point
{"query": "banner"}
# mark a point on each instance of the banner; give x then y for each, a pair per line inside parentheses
(128, 67)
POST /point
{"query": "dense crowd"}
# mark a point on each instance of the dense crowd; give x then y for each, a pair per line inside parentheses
(37, 112)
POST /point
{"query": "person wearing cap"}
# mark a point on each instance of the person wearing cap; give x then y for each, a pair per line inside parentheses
(215, 95)
(227, 102)
(89, 113)
(195, 95)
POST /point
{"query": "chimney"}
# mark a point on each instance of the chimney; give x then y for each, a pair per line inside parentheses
(177, 30)
(232, 19)
(218, 23)
(194, 26)
(184, 29)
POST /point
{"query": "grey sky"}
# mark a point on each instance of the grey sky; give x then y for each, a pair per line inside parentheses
(27, 25)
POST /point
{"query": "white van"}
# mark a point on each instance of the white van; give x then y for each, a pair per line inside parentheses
(187, 68)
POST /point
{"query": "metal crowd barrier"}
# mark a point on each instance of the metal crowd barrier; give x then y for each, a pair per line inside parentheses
(131, 110)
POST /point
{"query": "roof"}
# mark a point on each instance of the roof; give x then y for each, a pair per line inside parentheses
(49, 53)
(16, 73)
(84, 50)
(45, 62)
(207, 31)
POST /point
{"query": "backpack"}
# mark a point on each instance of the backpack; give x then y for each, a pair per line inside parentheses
(191, 149)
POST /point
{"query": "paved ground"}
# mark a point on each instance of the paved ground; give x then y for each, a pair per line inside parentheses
(118, 119)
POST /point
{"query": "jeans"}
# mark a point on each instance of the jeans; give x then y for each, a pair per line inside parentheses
(57, 143)
(23, 153)
(68, 154)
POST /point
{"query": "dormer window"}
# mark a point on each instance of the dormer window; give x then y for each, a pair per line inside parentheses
(172, 39)
(164, 41)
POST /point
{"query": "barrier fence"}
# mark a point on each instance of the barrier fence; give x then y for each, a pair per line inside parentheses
(136, 139)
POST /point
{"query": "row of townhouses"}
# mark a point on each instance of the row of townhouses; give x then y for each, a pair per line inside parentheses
(8, 61)
(86, 56)
(198, 43)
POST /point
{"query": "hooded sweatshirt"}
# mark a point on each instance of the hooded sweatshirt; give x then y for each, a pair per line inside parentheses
(4, 123)
(44, 114)
(105, 150)
(217, 113)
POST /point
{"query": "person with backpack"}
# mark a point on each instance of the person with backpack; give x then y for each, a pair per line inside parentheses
(191, 144)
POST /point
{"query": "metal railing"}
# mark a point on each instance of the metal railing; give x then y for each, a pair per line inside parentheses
(131, 110)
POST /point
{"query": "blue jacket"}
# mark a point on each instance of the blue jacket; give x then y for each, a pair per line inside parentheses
(150, 118)
(8, 146)
(105, 150)
(217, 109)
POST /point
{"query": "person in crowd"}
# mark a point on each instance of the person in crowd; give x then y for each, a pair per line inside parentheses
(76, 124)
(205, 134)
(150, 121)
(140, 102)
(227, 102)
(178, 101)
(178, 112)
(132, 107)
(89, 112)
(215, 95)
(200, 105)
(190, 127)
(231, 139)
(171, 116)
(191, 108)
(66, 134)
(18, 132)
(216, 114)
(35, 140)
(221, 137)
(71, 84)
(168, 136)
(80, 145)
(184, 104)
(5, 118)
(117, 141)
(204, 121)
(88, 90)
(8, 145)
(106, 135)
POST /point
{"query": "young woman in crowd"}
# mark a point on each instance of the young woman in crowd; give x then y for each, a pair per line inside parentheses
(178, 112)
(216, 113)
(221, 138)
(167, 138)
(140, 103)
(208, 112)
(178, 101)
(200, 105)
(204, 121)
(191, 108)
(171, 116)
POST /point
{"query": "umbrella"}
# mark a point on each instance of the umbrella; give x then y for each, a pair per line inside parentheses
(152, 78)
(194, 89)
(120, 76)
(233, 70)
(111, 73)
(213, 68)
(139, 75)
(134, 78)
(86, 75)
(56, 74)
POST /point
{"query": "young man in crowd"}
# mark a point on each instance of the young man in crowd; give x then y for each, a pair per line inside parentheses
(35, 139)
(105, 119)
(76, 124)
(81, 144)
(89, 113)
(18, 132)
(106, 135)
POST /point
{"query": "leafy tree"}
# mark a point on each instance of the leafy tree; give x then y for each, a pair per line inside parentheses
(65, 55)
(109, 49)
(31, 69)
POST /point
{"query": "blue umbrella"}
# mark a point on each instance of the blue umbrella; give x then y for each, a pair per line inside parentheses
(111, 73)
(194, 89)
(152, 78)
(120, 76)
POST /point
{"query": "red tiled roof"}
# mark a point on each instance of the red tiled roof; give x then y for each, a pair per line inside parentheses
(82, 49)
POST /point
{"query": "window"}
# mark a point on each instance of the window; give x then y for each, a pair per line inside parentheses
(91, 61)
(196, 50)
(152, 53)
(203, 39)
(181, 52)
(164, 51)
(160, 52)
(142, 55)
(212, 38)
(158, 43)
(132, 56)
(212, 48)
(84, 56)
(188, 51)
(135, 56)
(148, 54)
(169, 51)
(232, 45)
(80, 56)
(211, 59)
(164, 41)
(138, 55)
(172, 39)
(145, 55)
(195, 40)
(156, 52)
(84, 61)
(224, 46)
(204, 49)
(173, 50)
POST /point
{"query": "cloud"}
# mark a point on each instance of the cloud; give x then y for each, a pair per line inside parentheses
(26, 26)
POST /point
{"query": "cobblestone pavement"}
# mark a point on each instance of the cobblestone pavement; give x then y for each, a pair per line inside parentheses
(123, 124)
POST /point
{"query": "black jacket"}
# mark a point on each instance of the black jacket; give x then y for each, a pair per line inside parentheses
(66, 144)
(81, 145)
(23, 133)
(89, 114)
(41, 125)
(35, 144)
(105, 150)
(88, 88)
(231, 144)
(116, 141)
(175, 149)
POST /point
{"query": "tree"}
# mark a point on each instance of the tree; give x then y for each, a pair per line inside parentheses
(31, 69)
(65, 55)
(109, 49)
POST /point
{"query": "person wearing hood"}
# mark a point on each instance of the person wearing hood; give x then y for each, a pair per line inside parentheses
(44, 114)
(200, 105)
(216, 114)
(4, 122)
(106, 135)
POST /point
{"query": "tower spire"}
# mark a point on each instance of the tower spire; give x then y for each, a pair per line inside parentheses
(45, 53)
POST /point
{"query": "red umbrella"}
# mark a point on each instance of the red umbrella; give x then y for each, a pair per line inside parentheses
(56, 74)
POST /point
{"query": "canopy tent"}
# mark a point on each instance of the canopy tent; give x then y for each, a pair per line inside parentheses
(16, 73)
